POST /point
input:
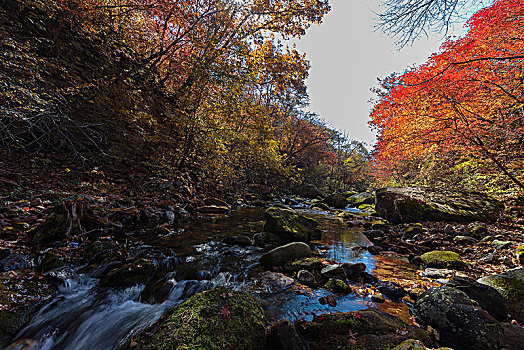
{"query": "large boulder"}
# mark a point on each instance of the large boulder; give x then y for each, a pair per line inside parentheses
(443, 259)
(413, 204)
(290, 225)
(361, 198)
(459, 320)
(308, 191)
(286, 253)
(216, 319)
(336, 200)
(511, 286)
(369, 329)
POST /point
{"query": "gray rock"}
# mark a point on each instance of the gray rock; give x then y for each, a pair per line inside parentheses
(305, 277)
(361, 198)
(289, 252)
(499, 245)
(308, 191)
(460, 322)
(333, 271)
(511, 286)
(414, 204)
(436, 273)
(276, 281)
(464, 240)
(337, 201)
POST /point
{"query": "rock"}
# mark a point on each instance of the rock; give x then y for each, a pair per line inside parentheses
(305, 277)
(487, 297)
(443, 259)
(289, 252)
(218, 318)
(511, 286)
(354, 270)
(320, 206)
(477, 231)
(412, 344)
(500, 245)
(519, 254)
(329, 299)
(289, 225)
(464, 240)
(391, 290)
(369, 329)
(264, 239)
(412, 231)
(333, 271)
(375, 250)
(460, 322)
(216, 202)
(308, 191)
(283, 336)
(513, 335)
(242, 241)
(414, 204)
(15, 261)
(337, 201)
(437, 273)
(337, 286)
(51, 261)
(213, 209)
(361, 198)
(309, 264)
(169, 215)
(378, 298)
(276, 281)
(22, 293)
(129, 274)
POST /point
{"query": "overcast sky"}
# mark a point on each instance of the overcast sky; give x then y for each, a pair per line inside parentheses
(347, 55)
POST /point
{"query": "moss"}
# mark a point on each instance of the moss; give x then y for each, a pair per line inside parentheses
(374, 330)
(519, 254)
(512, 289)
(337, 286)
(217, 319)
(309, 264)
(51, 261)
(443, 259)
(290, 225)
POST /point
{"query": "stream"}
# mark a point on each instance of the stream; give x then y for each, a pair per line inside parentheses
(85, 315)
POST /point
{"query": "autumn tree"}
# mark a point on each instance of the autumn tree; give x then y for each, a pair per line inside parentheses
(464, 103)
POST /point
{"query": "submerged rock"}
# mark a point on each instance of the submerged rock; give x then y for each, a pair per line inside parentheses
(414, 204)
(290, 225)
(511, 286)
(216, 319)
(459, 320)
(369, 330)
(443, 259)
(289, 252)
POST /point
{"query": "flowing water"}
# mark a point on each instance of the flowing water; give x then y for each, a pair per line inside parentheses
(85, 315)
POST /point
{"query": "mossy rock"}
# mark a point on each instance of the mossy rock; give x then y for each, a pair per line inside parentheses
(337, 286)
(460, 321)
(519, 254)
(413, 230)
(51, 261)
(212, 320)
(443, 259)
(286, 253)
(290, 225)
(412, 344)
(361, 330)
(309, 264)
(477, 231)
(19, 304)
(129, 274)
(366, 207)
(413, 204)
(511, 286)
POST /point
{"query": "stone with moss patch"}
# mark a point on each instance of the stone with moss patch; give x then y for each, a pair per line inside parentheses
(212, 320)
(290, 225)
(337, 286)
(477, 231)
(519, 254)
(443, 259)
(460, 321)
(412, 344)
(51, 261)
(414, 204)
(368, 329)
(511, 286)
(286, 253)
(21, 294)
(309, 264)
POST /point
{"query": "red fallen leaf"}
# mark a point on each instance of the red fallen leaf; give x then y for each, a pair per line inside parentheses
(225, 311)
(358, 315)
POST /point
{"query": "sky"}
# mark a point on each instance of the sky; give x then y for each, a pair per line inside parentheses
(347, 55)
